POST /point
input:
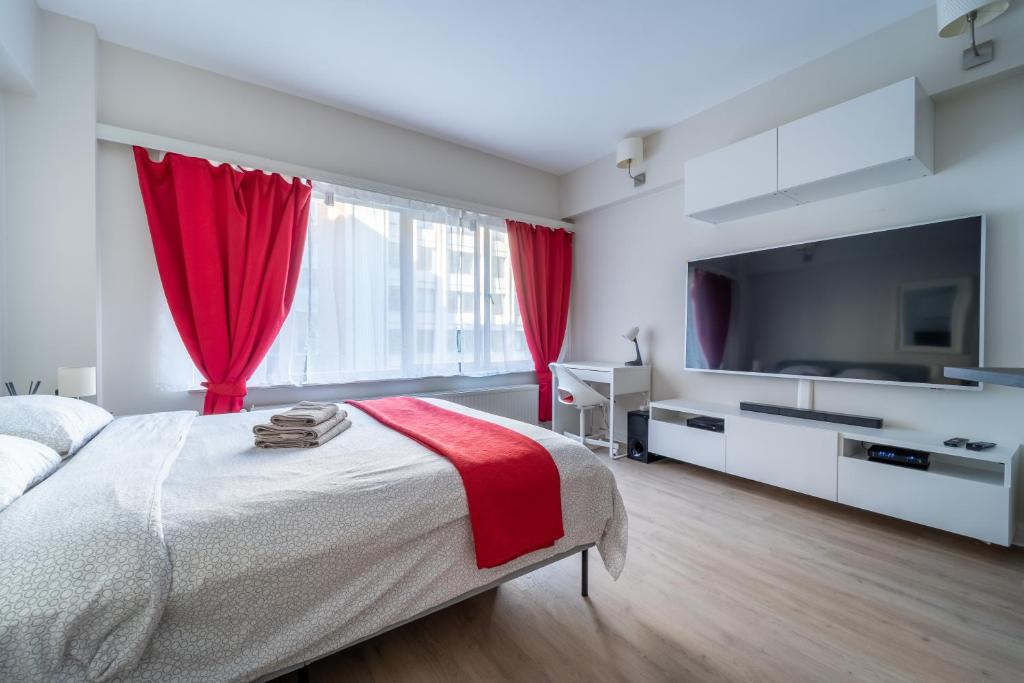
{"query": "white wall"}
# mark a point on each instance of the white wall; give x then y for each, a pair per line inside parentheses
(979, 145)
(50, 157)
(904, 49)
(158, 96)
(155, 95)
(19, 45)
(71, 294)
(3, 241)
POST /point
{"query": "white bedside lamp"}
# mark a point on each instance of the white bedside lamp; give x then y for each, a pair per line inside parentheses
(631, 335)
(76, 382)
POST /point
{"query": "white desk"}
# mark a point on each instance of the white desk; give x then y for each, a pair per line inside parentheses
(621, 380)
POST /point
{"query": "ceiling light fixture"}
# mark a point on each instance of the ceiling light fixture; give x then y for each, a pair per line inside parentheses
(630, 151)
(956, 16)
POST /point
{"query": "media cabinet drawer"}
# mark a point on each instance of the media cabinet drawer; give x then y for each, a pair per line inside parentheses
(679, 442)
(793, 457)
(967, 505)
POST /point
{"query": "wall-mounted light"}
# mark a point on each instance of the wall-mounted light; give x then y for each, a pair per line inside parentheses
(631, 151)
(956, 16)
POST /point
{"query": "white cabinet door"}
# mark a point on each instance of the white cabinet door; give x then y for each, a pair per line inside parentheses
(798, 458)
(872, 140)
(963, 506)
(679, 442)
(735, 181)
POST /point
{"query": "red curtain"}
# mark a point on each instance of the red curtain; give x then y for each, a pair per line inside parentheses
(228, 246)
(712, 308)
(542, 268)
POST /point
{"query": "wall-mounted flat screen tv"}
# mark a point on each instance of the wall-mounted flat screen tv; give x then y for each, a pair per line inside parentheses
(890, 306)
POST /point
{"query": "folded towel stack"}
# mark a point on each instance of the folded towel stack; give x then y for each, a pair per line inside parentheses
(307, 425)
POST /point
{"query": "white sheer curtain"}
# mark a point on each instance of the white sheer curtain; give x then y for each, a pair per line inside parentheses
(503, 342)
(350, 269)
(389, 288)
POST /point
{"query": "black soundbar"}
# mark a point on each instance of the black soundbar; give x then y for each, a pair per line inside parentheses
(819, 415)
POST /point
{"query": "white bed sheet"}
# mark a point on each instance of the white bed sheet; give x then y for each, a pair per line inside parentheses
(286, 556)
(280, 557)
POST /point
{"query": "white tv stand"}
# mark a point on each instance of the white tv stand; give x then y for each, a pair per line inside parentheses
(967, 492)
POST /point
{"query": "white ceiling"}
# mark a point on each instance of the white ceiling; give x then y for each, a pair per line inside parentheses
(553, 84)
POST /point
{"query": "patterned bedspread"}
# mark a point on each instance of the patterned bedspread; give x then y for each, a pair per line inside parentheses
(172, 549)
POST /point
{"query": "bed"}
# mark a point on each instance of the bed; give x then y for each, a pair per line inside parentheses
(169, 548)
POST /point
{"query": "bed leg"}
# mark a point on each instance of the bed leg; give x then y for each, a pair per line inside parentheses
(303, 674)
(583, 582)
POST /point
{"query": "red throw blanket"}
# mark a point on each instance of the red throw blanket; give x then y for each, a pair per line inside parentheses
(512, 485)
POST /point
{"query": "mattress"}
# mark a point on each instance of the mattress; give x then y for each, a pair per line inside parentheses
(239, 562)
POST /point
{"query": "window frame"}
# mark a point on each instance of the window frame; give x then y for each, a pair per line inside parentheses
(482, 231)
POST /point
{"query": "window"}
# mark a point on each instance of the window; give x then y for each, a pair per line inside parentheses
(393, 288)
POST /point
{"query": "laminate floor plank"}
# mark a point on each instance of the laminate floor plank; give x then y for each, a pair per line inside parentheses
(729, 580)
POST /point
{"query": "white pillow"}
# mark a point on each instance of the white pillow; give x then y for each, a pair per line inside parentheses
(63, 424)
(23, 464)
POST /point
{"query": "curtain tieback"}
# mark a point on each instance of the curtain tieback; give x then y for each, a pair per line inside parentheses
(226, 388)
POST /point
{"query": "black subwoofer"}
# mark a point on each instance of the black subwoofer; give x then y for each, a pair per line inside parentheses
(636, 438)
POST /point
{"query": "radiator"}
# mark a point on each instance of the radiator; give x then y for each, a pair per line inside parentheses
(518, 402)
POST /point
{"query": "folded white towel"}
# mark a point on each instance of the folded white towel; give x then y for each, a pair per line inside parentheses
(307, 414)
(299, 431)
(292, 440)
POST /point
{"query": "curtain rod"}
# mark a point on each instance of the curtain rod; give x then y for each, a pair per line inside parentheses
(127, 136)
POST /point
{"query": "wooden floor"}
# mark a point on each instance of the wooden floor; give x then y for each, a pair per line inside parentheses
(729, 580)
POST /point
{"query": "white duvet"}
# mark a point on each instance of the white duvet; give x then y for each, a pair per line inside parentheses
(172, 549)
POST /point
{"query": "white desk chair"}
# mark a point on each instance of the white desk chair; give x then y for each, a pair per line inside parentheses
(574, 392)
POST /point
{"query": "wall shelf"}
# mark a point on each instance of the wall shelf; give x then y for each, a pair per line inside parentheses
(1010, 377)
(943, 465)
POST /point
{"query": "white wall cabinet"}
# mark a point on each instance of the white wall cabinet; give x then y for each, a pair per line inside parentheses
(793, 457)
(877, 139)
(966, 492)
(669, 436)
(964, 499)
(735, 181)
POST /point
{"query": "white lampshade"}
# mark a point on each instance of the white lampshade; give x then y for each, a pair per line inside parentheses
(630, 149)
(76, 382)
(952, 14)
(632, 333)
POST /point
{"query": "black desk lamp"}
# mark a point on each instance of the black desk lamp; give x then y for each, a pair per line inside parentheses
(631, 335)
